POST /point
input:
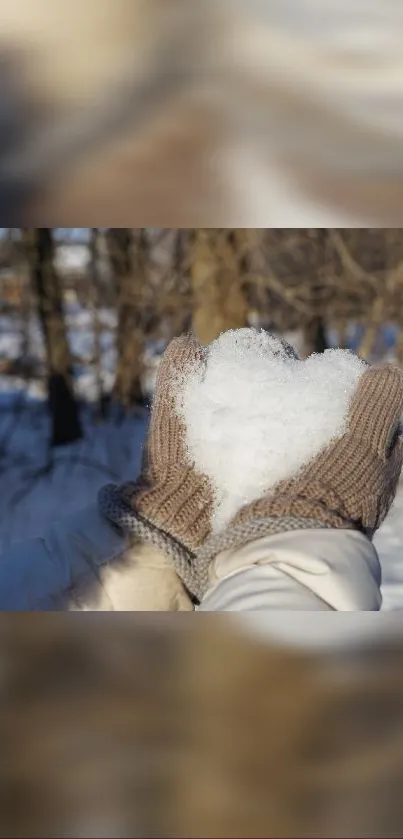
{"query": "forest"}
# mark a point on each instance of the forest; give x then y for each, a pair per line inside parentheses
(86, 313)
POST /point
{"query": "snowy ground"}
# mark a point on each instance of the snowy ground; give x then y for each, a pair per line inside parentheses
(35, 491)
(31, 494)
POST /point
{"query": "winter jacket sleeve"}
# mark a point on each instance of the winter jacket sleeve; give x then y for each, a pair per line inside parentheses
(316, 570)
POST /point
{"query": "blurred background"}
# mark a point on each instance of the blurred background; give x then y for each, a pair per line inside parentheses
(86, 313)
(219, 112)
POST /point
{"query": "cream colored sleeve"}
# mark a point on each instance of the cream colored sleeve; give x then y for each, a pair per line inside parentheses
(315, 570)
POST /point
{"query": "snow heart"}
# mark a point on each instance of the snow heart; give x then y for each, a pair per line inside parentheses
(255, 413)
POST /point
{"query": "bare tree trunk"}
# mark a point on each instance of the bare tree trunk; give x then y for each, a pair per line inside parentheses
(375, 321)
(66, 426)
(128, 251)
(216, 268)
(25, 311)
(182, 316)
(342, 331)
(96, 323)
(315, 340)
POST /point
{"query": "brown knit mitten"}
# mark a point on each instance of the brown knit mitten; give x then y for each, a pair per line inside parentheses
(353, 482)
(170, 493)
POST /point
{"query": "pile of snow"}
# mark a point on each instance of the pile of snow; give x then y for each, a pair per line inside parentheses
(255, 413)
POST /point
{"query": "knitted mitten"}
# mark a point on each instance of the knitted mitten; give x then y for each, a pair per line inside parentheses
(170, 504)
(352, 484)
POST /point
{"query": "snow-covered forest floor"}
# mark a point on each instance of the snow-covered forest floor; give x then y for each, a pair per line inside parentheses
(37, 486)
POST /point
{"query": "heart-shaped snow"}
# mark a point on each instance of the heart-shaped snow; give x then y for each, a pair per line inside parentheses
(255, 413)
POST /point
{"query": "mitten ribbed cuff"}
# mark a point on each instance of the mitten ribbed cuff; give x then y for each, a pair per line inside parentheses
(112, 501)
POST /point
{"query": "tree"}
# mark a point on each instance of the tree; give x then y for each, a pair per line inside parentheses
(94, 296)
(315, 337)
(128, 253)
(217, 266)
(39, 249)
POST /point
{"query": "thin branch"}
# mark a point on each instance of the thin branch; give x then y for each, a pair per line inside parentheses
(348, 260)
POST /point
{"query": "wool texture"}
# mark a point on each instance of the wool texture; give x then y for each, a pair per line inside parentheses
(354, 481)
(170, 493)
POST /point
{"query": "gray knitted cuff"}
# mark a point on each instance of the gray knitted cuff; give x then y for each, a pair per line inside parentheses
(116, 509)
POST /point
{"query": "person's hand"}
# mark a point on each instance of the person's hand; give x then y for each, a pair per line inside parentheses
(350, 486)
(171, 503)
(170, 492)
(353, 482)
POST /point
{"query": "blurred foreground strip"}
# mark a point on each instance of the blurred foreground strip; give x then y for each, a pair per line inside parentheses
(223, 113)
(192, 727)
